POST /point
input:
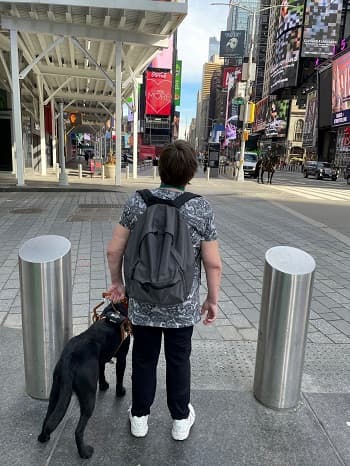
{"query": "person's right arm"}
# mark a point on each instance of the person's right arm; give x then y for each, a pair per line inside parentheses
(212, 266)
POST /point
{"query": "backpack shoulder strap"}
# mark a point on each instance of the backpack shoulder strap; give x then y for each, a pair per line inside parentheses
(181, 200)
(149, 199)
(147, 196)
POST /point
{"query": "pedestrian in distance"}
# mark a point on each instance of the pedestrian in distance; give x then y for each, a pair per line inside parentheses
(205, 163)
(172, 322)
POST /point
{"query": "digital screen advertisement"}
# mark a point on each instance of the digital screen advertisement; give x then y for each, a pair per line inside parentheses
(277, 118)
(158, 93)
(310, 124)
(284, 71)
(261, 109)
(341, 90)
(321, 27)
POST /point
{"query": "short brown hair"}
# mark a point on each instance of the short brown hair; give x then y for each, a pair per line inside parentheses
(177, 163)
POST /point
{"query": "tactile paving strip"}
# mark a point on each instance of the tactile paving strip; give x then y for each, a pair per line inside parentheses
(231, 365)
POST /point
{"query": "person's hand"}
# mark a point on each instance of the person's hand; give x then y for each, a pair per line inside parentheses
(210, 311)
(117, 291)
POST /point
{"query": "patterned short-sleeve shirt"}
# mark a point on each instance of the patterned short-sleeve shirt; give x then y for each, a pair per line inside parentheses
(200, 220)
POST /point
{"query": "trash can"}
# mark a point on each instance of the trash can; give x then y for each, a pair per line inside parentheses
(46, 300)
(285, 309)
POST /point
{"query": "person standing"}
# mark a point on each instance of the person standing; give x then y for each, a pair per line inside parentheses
(177, 166)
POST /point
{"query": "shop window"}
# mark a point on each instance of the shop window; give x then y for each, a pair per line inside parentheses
(298, 132)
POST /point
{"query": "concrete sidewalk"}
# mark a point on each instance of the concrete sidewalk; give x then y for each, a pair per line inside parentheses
(232, 428)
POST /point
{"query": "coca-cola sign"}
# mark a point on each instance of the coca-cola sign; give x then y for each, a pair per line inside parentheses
(158, 93)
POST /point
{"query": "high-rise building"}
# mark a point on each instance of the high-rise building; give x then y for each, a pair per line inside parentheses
(241, 19)
(214, 46)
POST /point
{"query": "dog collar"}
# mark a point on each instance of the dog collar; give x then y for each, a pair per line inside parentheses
(115, 317)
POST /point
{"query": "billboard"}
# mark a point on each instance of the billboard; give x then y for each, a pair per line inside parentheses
(277, 118)
(229, 72)
(284, 70)
(158, 93)
(232, 44)
(321, 27)
(289, 16)
(177, 89)
(310, 124)
(261, 109)
(341, 90)
(164, 59)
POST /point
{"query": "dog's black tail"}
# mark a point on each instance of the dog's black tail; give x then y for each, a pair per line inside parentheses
(60, 396)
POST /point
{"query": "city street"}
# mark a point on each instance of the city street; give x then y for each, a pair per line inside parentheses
(251, 218)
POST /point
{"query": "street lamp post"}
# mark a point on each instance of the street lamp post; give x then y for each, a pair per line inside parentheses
(253, 13)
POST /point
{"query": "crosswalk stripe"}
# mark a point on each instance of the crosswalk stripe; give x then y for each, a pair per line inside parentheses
(316, 193)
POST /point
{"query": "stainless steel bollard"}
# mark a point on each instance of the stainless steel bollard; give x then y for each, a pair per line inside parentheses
(285, 308)
(46, 298)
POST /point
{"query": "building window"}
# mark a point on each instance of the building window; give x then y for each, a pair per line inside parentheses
(298, 133)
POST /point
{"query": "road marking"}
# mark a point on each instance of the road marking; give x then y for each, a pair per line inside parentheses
(342, 195)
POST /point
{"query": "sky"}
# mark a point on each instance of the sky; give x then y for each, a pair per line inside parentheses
(202, 21)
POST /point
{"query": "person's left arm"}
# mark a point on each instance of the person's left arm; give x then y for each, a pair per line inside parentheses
(115, 252)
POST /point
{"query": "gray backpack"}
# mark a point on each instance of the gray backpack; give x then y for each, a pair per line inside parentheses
(159, 257)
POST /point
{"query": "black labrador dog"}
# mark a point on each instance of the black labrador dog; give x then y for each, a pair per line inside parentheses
(81, 366)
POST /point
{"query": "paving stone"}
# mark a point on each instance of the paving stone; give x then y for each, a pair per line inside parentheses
(252, 315)
(343, 326)
(209, 332)
(340, 312)
(339, 338)
(229, 333)
(239, 321)
(13, 321)
(318, 337)
(249, 334)
(324, 327)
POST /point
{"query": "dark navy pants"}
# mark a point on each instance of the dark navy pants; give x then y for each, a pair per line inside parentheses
(145, 355)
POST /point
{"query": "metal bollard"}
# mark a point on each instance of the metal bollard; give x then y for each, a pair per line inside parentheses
(103, 172)
(285, 309)
(46, 298)
(80, 167)
(208, 173)
(127, 172)
(154, 173)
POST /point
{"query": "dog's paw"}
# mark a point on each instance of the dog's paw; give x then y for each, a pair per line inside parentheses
(86, 452)
(104, 386)
(44, 437)
(120, 391)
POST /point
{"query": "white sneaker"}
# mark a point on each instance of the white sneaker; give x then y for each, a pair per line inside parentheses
(139, 425)
(181, 427)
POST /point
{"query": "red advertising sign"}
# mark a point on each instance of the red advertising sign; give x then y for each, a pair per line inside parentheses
(158, 93)
(234, 71)
(147, 152)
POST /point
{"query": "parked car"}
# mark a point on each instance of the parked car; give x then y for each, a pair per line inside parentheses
(320, 170)
(249, 164)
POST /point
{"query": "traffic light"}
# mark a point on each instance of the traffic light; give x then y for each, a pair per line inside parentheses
(75, 119)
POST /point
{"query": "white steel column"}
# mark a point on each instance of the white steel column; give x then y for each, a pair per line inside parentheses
(135, 129)
(63, 178)
(43, 161)
(118, 107)
(54, 135)
(16, 109)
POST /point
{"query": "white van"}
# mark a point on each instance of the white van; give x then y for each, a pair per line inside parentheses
(250, 159)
